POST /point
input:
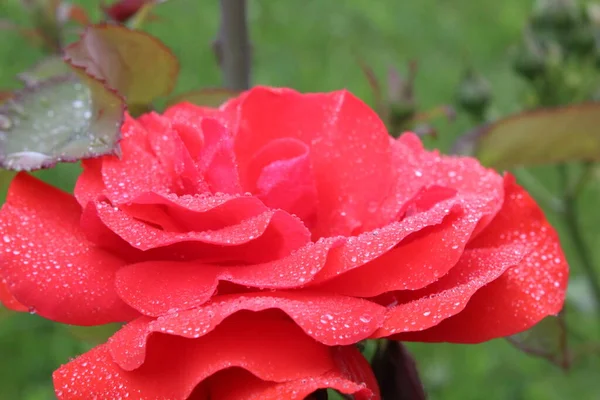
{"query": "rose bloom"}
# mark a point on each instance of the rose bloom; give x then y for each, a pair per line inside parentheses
(248, 249)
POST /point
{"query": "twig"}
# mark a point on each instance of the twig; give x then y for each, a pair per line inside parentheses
(233, 45)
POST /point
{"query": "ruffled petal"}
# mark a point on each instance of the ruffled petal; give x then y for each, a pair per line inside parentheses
(417, 167)
(357, 381)
(350, 150)
(89, 185)
(416, 262)
(422, 309)
(137, 170)
(281, 233)
(525, 293)
(204, 211)
(281, 176)
(155, 287)
(366, 247)
(8, 300)
(329, 319)
(48, 264)
(174, 366)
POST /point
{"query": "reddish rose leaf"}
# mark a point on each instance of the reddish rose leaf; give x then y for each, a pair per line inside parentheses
(61, 119)
(544, 136)
(546, 339)
(5, 96)
(48, 264)
(121, 57)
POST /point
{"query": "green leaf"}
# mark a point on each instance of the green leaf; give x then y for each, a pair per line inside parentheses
(61, 119)
(93, 334)
(137, 65)
(547, 339)
(210, 97)
(544, 136)
(49, 67)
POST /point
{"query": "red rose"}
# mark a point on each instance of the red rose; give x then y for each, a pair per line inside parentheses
(250, 247)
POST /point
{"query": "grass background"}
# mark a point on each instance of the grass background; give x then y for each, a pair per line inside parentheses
(311, 45)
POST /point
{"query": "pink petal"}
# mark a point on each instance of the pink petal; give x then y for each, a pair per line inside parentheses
(49, 265)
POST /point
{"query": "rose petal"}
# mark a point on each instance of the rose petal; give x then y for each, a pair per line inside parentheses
(218, 160)
(357, 381)
(523, 295)
(416, 262)
(170, 150)
(48, 264)
(8, 300)
(137, 170)
(352, 178)
(287, 232)
(422, 309)
(416, 167)
(155, 287)
(359, 250)
(329, 319)
(281, 176)
(89, 185)
(204, 211)
(175, 365)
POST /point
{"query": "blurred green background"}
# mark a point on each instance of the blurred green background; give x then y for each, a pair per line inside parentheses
(311, 45)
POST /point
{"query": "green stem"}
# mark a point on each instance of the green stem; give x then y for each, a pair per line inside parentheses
(233, 44)
(571, 218)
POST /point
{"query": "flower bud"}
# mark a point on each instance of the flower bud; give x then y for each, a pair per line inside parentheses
(402, 105)
(555, 14)
(531, 59)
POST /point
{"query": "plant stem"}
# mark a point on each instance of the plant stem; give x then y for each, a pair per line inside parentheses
(571, 217)
(233, 45)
